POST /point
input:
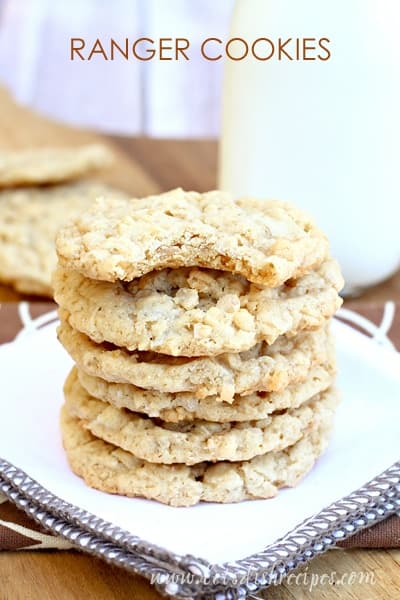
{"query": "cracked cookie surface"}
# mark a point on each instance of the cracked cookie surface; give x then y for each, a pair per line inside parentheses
(265, 241)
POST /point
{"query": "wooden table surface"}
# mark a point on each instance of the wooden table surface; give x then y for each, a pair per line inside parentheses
(145, 166)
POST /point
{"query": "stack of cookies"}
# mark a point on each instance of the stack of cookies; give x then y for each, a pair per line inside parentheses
(199, 328)
(40, 189)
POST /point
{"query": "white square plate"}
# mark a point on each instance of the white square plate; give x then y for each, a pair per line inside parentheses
(365, 442)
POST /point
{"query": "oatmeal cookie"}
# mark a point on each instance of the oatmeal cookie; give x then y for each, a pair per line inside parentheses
(29, 220)
(38, 166)
(196, 312)
(265, 241)
(184, 406)
(263, 368)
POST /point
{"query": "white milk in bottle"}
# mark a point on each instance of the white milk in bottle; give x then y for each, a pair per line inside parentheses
(321, 131)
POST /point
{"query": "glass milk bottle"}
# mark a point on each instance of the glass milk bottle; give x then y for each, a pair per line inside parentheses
(324, 134)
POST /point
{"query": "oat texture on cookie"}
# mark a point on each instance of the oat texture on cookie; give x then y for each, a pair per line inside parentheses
(196, 312)
(29, 220)
(40, 190)
(43, 166)
(265, 241)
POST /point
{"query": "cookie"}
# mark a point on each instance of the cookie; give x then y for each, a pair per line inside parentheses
(29, 220)
(194, 441)
(50, 165)
(195, 312)
(265, 241)
(262, 368)
(110, 469)
(185, 406)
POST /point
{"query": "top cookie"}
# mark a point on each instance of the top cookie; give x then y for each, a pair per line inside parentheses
(50, 165)
(266, 241)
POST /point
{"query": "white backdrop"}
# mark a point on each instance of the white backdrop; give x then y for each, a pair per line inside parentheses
(156, 98)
